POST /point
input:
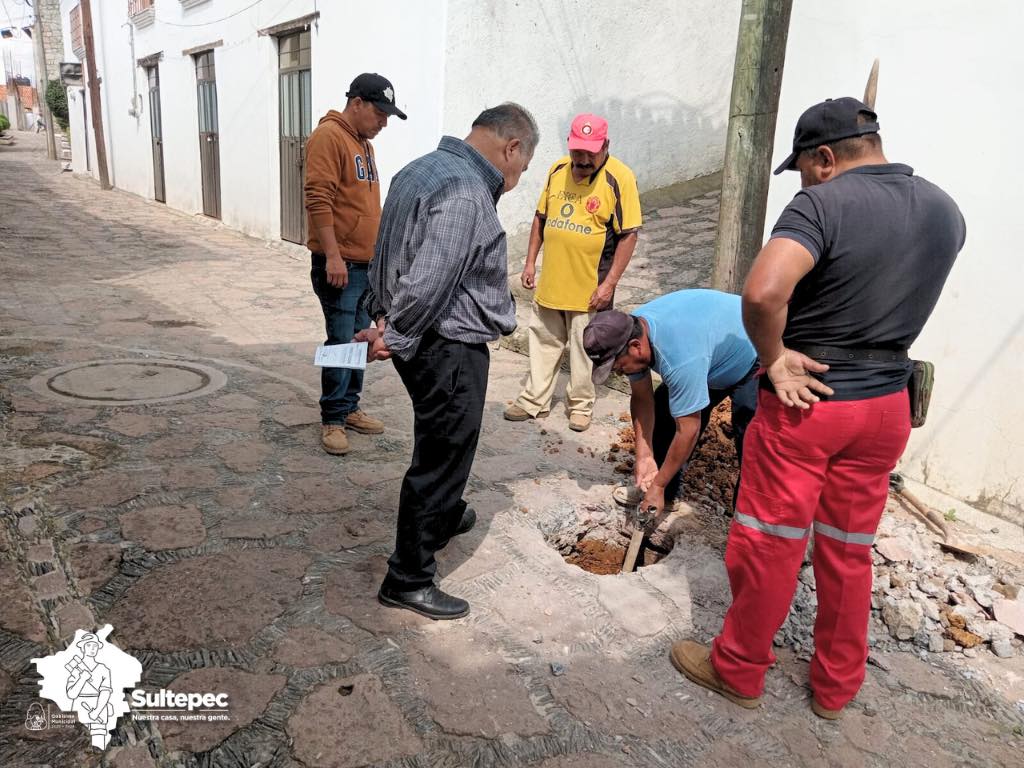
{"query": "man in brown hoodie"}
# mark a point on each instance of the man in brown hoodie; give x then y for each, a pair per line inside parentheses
(342, 196)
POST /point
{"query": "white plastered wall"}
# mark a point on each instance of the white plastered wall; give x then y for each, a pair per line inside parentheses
(660, 71)
(401, 39)
(948, 103)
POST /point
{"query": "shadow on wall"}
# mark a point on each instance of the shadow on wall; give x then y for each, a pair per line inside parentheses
(662, 139)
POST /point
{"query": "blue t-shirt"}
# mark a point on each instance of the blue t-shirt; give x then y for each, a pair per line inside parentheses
(699, 344)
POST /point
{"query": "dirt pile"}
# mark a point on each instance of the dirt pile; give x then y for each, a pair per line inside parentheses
(710, 476)
(713, 469)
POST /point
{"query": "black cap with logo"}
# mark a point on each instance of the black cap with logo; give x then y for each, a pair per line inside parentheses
(377, 90)
(831, 120)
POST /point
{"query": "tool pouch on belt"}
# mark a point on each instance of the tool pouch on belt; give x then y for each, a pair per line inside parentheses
(922, 378)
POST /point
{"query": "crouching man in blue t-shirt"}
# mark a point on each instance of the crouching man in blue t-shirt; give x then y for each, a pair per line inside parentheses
(695, 341)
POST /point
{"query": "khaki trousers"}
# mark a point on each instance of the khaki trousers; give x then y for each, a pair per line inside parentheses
(549, 333)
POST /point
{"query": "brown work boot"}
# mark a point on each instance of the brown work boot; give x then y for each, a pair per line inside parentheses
(334, 440)
(515, 413)
(367, 425)
(579, 422)
(825, 714)
(694, 661)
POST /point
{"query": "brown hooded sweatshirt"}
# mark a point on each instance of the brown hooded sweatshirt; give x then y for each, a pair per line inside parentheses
(342, 188)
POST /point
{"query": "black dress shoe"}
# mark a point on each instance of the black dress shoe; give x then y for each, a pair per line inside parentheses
(467, 522)
(428, 601)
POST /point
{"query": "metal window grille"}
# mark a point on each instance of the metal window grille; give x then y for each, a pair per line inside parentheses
(77, 40)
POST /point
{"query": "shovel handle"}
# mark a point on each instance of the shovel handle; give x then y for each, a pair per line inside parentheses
(633, 550)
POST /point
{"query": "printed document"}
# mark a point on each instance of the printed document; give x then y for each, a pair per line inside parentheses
(342, 356)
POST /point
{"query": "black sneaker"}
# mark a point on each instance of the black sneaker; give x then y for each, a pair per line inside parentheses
(428, 601)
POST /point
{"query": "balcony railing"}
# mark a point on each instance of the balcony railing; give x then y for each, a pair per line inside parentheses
(141, 12)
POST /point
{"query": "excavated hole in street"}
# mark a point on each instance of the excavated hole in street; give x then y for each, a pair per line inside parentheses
(598, 544)
(596, 539)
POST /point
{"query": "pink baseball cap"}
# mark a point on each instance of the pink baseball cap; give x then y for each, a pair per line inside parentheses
(588, 132)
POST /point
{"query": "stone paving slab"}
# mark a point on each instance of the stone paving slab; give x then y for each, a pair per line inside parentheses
(227, 550)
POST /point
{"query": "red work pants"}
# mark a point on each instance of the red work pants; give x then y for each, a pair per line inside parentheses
(825, 468)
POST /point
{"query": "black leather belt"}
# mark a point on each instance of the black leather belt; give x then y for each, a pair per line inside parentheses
(320, 260)
(822, 352)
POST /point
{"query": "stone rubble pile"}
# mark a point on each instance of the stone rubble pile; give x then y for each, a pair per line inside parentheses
(924, 599)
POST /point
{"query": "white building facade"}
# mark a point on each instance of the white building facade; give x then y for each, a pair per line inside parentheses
(947, 72)
(203, 100)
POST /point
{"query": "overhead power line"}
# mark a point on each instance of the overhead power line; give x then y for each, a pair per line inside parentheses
(215, 21)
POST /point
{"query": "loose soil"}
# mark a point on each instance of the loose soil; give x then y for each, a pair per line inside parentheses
(605, 558)
(713, 469)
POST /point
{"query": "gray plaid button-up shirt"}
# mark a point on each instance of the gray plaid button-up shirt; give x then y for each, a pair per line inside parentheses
(441, 259)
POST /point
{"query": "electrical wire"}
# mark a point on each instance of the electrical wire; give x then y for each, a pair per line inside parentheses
(16, 29)
(215, 21)
(7, 12)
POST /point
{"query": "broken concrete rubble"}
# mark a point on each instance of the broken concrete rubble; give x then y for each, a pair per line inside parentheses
(902, 617)
(924, 599)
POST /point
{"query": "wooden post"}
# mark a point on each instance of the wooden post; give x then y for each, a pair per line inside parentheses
(753, 109)
(94, 93)
(871, 89)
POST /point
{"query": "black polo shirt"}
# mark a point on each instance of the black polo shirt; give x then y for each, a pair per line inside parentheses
(883, 242)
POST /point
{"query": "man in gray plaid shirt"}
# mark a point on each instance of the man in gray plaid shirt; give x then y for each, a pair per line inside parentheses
(439, 292)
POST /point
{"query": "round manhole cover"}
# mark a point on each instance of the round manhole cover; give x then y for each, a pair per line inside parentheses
(128, 382)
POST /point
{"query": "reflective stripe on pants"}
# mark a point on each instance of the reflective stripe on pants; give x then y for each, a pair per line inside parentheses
(826, 468)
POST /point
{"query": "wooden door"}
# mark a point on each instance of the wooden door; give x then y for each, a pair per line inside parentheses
(296, 119)
(157, 133)
(209, 140)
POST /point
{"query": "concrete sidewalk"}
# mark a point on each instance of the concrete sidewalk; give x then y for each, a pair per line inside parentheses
(161, 473)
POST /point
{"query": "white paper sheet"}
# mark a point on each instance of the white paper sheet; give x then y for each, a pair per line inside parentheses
(342, 356)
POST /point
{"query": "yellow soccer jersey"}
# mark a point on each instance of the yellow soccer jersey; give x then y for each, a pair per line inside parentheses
(582, 225)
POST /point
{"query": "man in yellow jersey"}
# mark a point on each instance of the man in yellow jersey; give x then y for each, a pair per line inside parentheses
(587, 220)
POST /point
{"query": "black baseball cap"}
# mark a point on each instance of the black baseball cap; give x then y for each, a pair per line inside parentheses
(377, 90)
(831, 120)
(604, 339)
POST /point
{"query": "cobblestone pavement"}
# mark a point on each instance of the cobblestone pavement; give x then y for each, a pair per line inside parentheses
(230, 554)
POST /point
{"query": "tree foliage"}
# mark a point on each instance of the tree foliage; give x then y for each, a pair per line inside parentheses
(57, 101)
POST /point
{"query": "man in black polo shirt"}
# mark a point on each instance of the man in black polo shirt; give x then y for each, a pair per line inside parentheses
(853, 269)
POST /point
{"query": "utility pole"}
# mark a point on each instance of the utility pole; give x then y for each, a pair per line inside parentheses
(42, 81)
(753, 110)
(94, 93)
(13, 105)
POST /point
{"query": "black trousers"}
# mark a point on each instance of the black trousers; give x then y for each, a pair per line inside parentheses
(447, 381)
(744, 404)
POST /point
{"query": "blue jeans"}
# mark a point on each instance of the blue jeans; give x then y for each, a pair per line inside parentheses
(343, 315)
